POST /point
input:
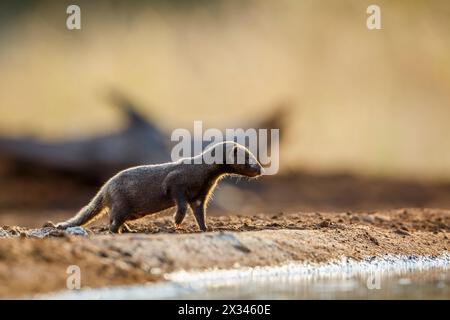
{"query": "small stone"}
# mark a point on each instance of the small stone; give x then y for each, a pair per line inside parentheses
(367, 218)
(374, 240)
(402, 232)
(3, 233)
(77, 231)
(324, 224)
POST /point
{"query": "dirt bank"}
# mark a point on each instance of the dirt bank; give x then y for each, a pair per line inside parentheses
(29, 265)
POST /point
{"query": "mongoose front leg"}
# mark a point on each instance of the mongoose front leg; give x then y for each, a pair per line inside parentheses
(198, 207)
(182, 206)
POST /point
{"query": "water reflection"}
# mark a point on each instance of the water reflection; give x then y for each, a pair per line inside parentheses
(385, 278)
(400, 277)
(429, 284)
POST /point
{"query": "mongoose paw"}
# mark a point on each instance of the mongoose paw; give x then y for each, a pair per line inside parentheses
(177, 226)
(126, 229)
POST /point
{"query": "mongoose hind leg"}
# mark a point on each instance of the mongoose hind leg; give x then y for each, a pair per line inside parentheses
(118, 216)
(117, 226)
(198, 207)
(182, 207)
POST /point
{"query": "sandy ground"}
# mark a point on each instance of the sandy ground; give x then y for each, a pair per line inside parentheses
(29, 265)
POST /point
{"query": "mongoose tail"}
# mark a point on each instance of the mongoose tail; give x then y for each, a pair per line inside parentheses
(87, 214)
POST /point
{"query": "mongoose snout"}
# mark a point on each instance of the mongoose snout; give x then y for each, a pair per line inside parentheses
(138, 191)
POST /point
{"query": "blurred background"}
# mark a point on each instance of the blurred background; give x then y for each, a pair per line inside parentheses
(366, 112)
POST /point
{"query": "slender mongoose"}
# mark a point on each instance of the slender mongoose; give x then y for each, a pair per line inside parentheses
(142, 190)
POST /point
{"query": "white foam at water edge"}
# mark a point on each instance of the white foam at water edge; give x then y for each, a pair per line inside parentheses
(186, 282)
(345, 268)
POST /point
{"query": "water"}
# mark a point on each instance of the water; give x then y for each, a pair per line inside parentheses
(430, 284)
(399, 277)
(385, 278)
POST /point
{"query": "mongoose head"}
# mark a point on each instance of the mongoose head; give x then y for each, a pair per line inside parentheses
(237, 159)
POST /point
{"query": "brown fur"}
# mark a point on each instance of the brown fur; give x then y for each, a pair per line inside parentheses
(139, 191)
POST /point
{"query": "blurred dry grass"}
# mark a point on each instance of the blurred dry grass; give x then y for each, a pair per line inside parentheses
(371, 102)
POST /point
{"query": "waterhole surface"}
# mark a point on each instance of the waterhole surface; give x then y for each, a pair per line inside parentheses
(390, 277)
